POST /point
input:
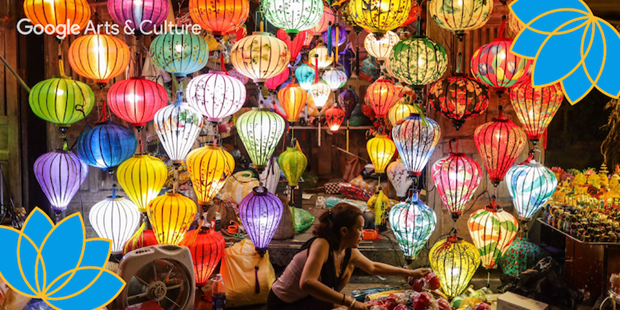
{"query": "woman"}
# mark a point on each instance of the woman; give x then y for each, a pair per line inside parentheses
(322, 268)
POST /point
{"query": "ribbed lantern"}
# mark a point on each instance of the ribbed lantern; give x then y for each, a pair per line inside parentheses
(106, 145)
(322, 25)
(530, 185)
(460, 16)
(141, 239)
(177, 127)
(71, 13)
(338, 35)
(171, 215)
(416, 138)
(455, 262)
(140, 15)
(179, 52)
(60, 174)
(215, 95)
(380, 150)
(98, 56)
(418, 61)
(293, 17)
(292, 99)
(399, 111)
(207, 249)
(335, 78)
(209, 167)
(379, 16)
(459, 98)
(334, 117)
(348, 100)
(413, 223)
(296, 44)
(346, 58)
(399, 177)
(536, 106)
(381, 48)
(456, 177)
(235, 74)
(371, 68)
(520, 256)
(260, 56)
(115, 218)
(305, 76)
(61, 100)
(499, 143)
(260, 131)
(136, 100)
(278, 80)
(219, 16)
(293, 164)
(322, 55)
(496, 66)
(415, 11)
(382, 94)
(320, 94)
(260, 213)
(492, 230)
(142, 177)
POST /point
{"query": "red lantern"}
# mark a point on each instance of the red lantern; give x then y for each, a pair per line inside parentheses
(334, 117)
(140, 240)
(219, 17)
(382, 94)
(295, 46)
(278, 80)
(136, 100)
(416, 10)
(536, 106)
(459, 98)
(207, 250)
(367, 109)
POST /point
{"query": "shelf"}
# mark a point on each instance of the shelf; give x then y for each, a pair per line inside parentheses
(614, 244)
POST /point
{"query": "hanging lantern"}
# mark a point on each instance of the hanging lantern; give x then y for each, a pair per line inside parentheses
(305, 76)
(348, 100)
(382, 94)
(114, 218)
(271, 175)
(171, 215)
(292, 98)
(292, 17)
(418, 61)
(73, 14)
(220, 16)
(492, 231)
(141, 239)
(415, 11)
(140, 15)
(215, 95)
(260, 131)
(61, 101)
(371, 68)
(380, 49)
(278, 80)
(260, 56)
(60, 174)
(260, 213)
(327, 18)
(400, 111)
(460, 16)
(454, 261)
(98, 56)
(346, 58)
(398, 176)
(456, 177)
(379, 16)
(520, 256)
(296, 44)
(413, 223)
(416, 138)
(142, 177)
(536, 106)
(459, 98)
(496, 66)
(323, 56)
(207, 248)
(499, 143)
(344, 13)
(334, 117)
(235, 74)
(515, 24)
(179, 52)
(335, 78)
(293, 164)
(380, 149)
(209, 167)
(338, 34)
(378, 204)
(320, 93)
(530, 185)
(106, 145)
(177, 127)
(136, 100)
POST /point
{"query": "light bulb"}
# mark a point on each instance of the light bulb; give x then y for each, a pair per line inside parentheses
(421, 62)
(502, 55)
(178, 48)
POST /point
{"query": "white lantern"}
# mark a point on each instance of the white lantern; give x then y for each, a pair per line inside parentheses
(177, 126)
(530, 185)
(320, 54)
(115, 218)
(215, 95)
(260, 56)
(380, 49)
(320, 94)
(335, 78)
(293, 16)
(399, 176)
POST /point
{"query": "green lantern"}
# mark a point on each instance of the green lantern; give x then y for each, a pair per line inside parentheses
(293, 16)
(413, 223)
(418, 61)
(61, 100)
(293, 164)
(179, 52)
(260, 131)
(520, 256)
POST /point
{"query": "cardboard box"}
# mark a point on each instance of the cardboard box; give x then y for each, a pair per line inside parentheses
(510, 301)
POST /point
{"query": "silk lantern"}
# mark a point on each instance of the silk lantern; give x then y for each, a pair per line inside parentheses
(207, 249)
(328, 17)
(305, 76)
(260, 131)
(106, 145)
(177, 127)
(209, 167)
(380, 48)
(460, 16)
(278, 80)
(60, 174)
(413, 223)
(260, 56)
(348, 100)
(338, 35)
(496, 66)
(136, 100)
(418, 61)
(334, 117)
(292, 98)
(382, 94)
(416, 138)
(414, 13)
(459, 98)
(142, 177)
(492, 230)
(456, 178)
(320, 55)
(99, 57)
(171, 215)
(295, 45)
(379, 16)
(520, 256)
(140, 15)
(70, 13)
(215, 95)
(399, 111)
(61, 101)
(220, 16)
(380, 150)
(292, 17)
(179, 52)
(530, 185)
(293, 164)
(114, 218)
(320, 94)
(399, 177)
(346, 58)
(371, 68)
(141, 239)
(536, 106)
(335, 78)
(260, 213)
(455, 262)
(235, 74)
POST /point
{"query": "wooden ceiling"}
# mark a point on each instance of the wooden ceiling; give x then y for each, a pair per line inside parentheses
(608, 10)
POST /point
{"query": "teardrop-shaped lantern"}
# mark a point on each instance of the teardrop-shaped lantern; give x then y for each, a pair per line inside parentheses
(293, 99)
(260, 131)
(334, 117)
(322, 55)
(60, 174)
(106, 145)
(459, 98)
(456, 177)
(74, 15)
(220, 16)
(381, 48)
(382, 94)
(530, 185)
(98, 56)
(380, 150)
(335, 78)
(338, 34)
(379, 16)
(305, 76)
(136, 100)
(320, 94)
(141, 15)
(348, 101)
(413, 223)
(293, 164)
(293, 17)
(171, 215)
(260, 213)
(215, 95)
(399, 177)
(418, 61)
(142, 177)
(399, 111)
(328, 17)
(296, 44)
(496, 66)
(260, 56)
(141, 239)
(61, 101)
(346, 58)
(177, 127)
(455, 262)
(460, 16)
(207, 248)
(209, 167)
(278, 80)
(179, 52)
(536, 106)
(115, 218)
(492, 230)
(371, 68)
(416, 138)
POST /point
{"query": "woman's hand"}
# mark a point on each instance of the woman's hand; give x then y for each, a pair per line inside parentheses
(419, 273)
(359, 306)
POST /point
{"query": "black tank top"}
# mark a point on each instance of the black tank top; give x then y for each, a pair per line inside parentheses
(328, 271)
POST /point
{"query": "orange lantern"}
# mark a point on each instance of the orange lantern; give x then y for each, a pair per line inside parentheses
(536, 106)
(382, 94)
(99, 57)
(58, 12)
(292, 98)
(219, 16)
(334, 117)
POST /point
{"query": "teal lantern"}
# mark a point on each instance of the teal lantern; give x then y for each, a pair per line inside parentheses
(179, 52)
(260, 131)
(305, 76)
(418, 61)
(530, 185)
(371, 68)
(520, 256)
(413, 222)
(106, 145)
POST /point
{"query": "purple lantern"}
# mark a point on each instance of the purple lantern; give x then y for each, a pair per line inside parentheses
(260, 212)
(335, 29)
(347, 58)
(60, 174)
(139, 15)
(348, 101)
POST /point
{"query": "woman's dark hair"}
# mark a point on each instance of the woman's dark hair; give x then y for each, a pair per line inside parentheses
(331, 221)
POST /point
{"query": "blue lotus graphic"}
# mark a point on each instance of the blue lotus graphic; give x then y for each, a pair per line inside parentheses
(569, 45)
(57, 264)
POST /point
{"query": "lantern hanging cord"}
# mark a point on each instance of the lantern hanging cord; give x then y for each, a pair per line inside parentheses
(61, 66)
(102, 111)
(140, 141)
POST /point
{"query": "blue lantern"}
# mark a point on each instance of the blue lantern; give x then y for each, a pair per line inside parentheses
(413, 223)
(305, 76)
(106, 145)
(179, 52)
(346, 59)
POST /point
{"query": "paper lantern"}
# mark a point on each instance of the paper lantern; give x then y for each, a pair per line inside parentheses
(70, 13)
(380, 150)
(399, 111)
(292, 98)
(492, 231)
(106, 145)
(399, 177)
(138, 15)
(320, 53)
(456, 178)
(114, 218)
(260, 213)
(260, 56)
(220, 16)
(293, 164)
(496, 66)
(536, 106)
(296, 44)
(278, 80)
(179, 52)
(335, 78)
(380, 15)
(305, 76)
(418, 61)
(209, 167)
(382, 94)
(499, 143)
(348, 100)
(136, 100)
(413, 223)
(381, 48)
(328, 17)
(459, 98)
(142, 177)
(338, 34)
(171, 215)
(460, 16)
(520, 256)
(177, 127)
(320, 94)
(260, 131)
(60, 174)
(141, 239)
(215, 95)
(98, 56)
(371, 68)
(207, 249)
(530, 185)
(455, 262)
(293, 17)
(334, 117)
(414, 13)
(416, 138)
(61, 101)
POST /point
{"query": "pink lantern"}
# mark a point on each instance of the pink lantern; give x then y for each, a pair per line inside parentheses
(278, 80)
(293, 46)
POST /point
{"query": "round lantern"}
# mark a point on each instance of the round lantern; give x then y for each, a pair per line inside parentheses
(413, 223)
(296, 44)
(398, 176)
(293, 17)
(456, 177)
(492, 231)
(70, 13)
(215, 95)
(141, 239)
(380, 49)
(416, 138)
(60, 174)
(235, 74)
(278, 80)
(293, 164)
(459, 98)
(142, 177)
(496, 66)
(260, 131)
(220, 16)
(499, 143)
(460, 16)
(260, 213)
(338, 34)
(399, 111)
(260, 56)
(380, 149)
(179, 52)
(371, 68)
(305, 76)
(61, 101)
(455, 262)
(177, 127)
(321, 56)
(328, 17)
(418, 61)
(106, 145)
(382, 94)
(414, 13)
(292, 98)
(141, 15)
(115, 218)
(320, 94)
(348, 100)
(530, 185)
(209, 167)
(207, 248)
(335, 78)
(136, 100)
(99, 57)
(334, 117)
(379, 16)
(536, 106)
(171, 215)
(520, 256)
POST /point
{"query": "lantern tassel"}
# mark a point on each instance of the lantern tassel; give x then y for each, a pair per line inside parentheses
(222, 65)
(256, 283)
(347, 135)
(329, 39)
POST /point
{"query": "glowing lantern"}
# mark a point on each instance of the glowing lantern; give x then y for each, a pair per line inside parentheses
(415, 11)
(379, 15)
(234, 73)
(278, 80)
(371, 68)
(515, 24)
(399, 111)
(416, 139)
(323, 56)
(344, 12)
(114, 218)
(520, 256)
(142, 177)
(380, 149)
(293, 17)
(136, 100)
(381, 48)
(220, 16)
(296, 44)
(292, 98)
(334, 117)
(171, 215)
(536, 106)
(454, 261)
(327, 18)
(179, 52)
(335, 78)
(293, 164)
(60, 174)
(98, 56)
(177, 127)
(141, 239)
(413, 223)
(398, 176)
(215, 95)
(338, 34)
(346, 58)
(260, 56)
(260, 131)
(530, 185)
(305, 76)
(260, 213)
(320, 94)
(459, 98)
(456, 177)
(460, 16)
(418, 61)
(207, 248)
(496, 66)
(140, 15)
(382, 94)
(61, 101)
(106, 145)
(209, 167)
(492, 231)
(70, 13)
(348, 100)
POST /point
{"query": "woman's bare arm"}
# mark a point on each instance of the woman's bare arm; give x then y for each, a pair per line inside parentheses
(381, 269)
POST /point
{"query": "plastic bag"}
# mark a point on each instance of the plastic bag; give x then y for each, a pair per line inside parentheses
(303, 219)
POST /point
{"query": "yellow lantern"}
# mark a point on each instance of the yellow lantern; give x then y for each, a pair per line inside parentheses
(171, 215)
(377, 204)
(99, 57)
(380, 149)
(142, 177)
(292, 98)
(58, 12)
(399, 111)
(460, 16)
(320, 56)
(209, 167)
(455, 262)
(293, 164)
(379, 16)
